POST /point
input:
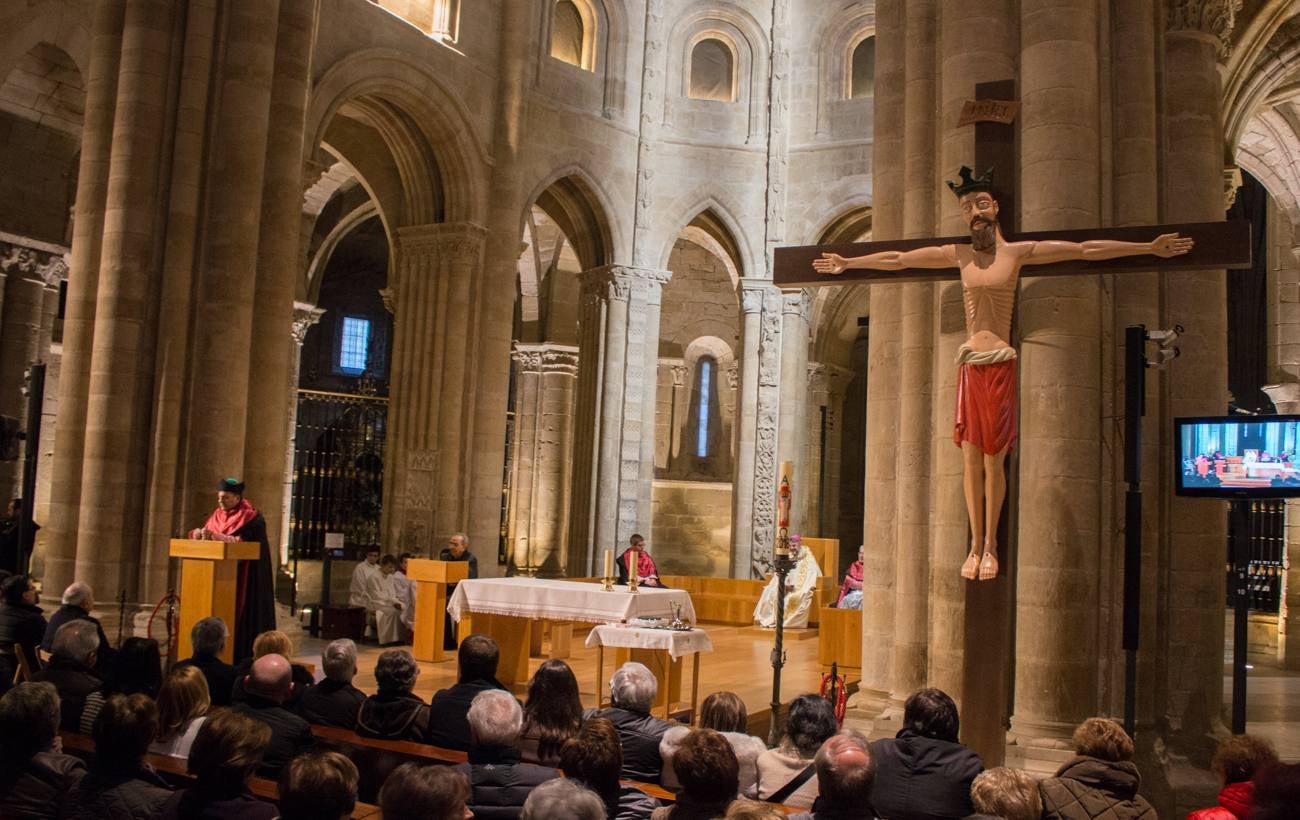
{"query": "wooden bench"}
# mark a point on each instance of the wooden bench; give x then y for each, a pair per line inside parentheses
(175, 771)
(731, 601)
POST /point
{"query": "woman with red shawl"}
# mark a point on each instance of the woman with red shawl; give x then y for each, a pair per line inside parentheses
(235, 519)
(851, 590)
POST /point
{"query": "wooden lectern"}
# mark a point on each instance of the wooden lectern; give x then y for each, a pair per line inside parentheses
(209, 578)
(431, 581)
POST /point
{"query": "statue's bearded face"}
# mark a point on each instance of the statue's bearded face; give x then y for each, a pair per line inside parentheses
(980, 210)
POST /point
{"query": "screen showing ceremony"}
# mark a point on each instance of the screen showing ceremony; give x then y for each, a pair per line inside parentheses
(1238, 456)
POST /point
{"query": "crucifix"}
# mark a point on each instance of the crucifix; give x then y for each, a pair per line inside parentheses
(989, 267)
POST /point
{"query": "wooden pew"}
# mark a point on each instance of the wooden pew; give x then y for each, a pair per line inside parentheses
(175, 772)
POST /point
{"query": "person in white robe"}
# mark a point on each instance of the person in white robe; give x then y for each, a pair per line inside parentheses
(359, 589)
(405, 594)
(388, 607)
(800, 586)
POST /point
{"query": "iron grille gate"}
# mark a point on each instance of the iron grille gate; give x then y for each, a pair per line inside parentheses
(338, 470)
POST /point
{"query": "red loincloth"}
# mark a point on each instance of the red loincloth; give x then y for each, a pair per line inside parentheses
(986, 406)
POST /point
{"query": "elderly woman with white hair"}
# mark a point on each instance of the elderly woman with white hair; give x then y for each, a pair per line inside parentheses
(563, 800)
(632, 691)
(499, 782)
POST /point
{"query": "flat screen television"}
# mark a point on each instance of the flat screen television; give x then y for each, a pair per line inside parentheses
(1237, 456)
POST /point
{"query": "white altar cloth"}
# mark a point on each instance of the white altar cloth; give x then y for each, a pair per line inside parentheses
(557, 600)
(677, 644)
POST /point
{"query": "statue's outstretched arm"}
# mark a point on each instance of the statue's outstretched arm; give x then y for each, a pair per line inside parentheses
(1049, 251)
(930, 256)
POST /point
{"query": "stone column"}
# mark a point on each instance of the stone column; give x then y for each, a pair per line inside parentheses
(1284, 373)
(120, 368)
(882, 371)
(792, 432)
(1060, 535)
(1193, 191)
(912, 543)
(435, 268)
(614, 421)
(24, 270)
(304, 317)
(673, 431)
(223, 320)
(83, 278)
(825, 400)
(279, 265)
(753, 519)
(545, 381)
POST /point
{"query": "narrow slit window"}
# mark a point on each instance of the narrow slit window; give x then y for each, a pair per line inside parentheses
(702, 427)
(354, 346)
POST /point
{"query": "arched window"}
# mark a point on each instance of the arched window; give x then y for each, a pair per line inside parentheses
(568, 34)
(862, 75)
(704, 390)
(713, 71)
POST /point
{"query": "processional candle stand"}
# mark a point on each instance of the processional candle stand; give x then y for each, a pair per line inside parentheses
(781, 565)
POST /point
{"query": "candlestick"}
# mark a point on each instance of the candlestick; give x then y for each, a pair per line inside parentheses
(634, 563)
(609, 570)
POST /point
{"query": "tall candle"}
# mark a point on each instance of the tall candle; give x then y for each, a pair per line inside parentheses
(609, 563)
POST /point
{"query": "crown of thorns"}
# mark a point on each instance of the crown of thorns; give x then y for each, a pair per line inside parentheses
(968, 184)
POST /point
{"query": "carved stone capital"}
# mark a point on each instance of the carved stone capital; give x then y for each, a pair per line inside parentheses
(680, 372)
(827, 378)
(546, 358)
(304, 316)
(459, 240)
(389, 297)
(1214, 18)
(33, 259)
(733, 375)
(796, 302)
(754, 293)
(624, 283)
(1231, 184)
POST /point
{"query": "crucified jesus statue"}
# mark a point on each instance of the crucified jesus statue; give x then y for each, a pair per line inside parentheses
(985, 426)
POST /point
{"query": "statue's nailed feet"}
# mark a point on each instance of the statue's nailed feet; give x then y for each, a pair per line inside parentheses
(970, 569)
(988, 566)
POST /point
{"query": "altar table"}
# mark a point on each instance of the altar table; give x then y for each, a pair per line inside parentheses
(661, 650)
(506, 609)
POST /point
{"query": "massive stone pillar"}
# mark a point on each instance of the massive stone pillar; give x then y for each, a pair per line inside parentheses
(1284, 374)
(425, 476)
(618, 343)
(792, 430)
(1193, 192)
(912, 520)
(273, 362)
(888, 179)
(753, 518)
(112, 468)
(541, 466)
(1060, 535)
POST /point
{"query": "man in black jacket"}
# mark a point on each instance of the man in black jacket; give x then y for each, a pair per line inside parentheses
(924, 772)
(267, 687)
(78, 600)
(499, 783)
(71, 670)
(477, 660)
(334, 701)
(209, 637)
(33, 776)
(632, 692)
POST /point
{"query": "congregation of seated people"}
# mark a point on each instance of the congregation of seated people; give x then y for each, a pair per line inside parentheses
(253, 741)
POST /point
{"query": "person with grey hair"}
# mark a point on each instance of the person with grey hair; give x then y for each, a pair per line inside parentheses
(563, 800)
(77, 602)
(72, 671)
(632, 692)
(209, 636)
(499, 782)
(334, 701)
(34, 772)
(395, 712)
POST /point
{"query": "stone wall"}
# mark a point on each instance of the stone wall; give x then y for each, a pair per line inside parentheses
(691, 534)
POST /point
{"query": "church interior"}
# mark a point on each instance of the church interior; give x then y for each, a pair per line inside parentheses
(410, 269)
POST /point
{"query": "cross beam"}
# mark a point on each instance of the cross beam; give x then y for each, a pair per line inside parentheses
(1218, 245)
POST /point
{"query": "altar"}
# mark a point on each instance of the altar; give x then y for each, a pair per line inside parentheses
(506, 609)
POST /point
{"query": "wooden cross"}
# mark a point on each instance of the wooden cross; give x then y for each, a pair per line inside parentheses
(988, 620)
